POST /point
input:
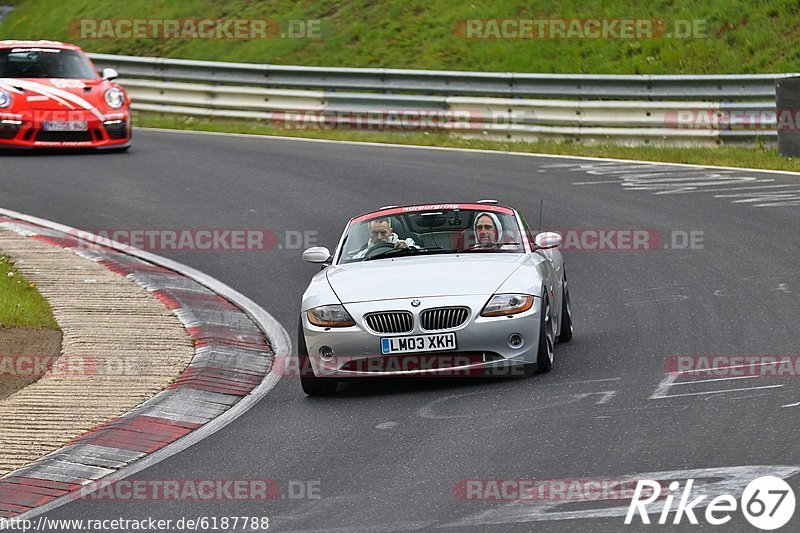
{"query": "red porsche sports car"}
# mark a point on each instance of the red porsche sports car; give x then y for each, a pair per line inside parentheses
(51, 96)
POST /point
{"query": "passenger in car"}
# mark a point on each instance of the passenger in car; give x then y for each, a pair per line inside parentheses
(488, 229)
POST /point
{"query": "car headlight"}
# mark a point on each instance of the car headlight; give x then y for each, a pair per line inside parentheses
(330, 316)
(115, 98)
(5, 98)
(507, 304)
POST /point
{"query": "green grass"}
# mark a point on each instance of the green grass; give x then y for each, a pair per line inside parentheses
(755, 157)
(742, 37)
(21, 305)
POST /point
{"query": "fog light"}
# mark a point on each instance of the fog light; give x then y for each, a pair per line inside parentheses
(326, 353)
(515, 340)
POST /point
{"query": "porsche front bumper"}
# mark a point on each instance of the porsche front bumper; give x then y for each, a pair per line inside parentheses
(28, 130)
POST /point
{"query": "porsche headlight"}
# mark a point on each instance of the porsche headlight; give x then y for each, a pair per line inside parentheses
(507, 304)
(330, 316)
(115, 98)
(5, 98)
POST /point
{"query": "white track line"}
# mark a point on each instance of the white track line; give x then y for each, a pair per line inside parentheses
(587, 381)
(713, 379)
(715, 392)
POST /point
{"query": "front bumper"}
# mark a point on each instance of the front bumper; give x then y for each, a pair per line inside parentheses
(482, 343)
(26, 130)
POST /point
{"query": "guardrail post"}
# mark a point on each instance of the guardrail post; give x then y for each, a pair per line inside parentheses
(787, 94)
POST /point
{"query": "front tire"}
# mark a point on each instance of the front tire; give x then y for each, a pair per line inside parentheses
(312, 385)
(544, 360)
(565, 330)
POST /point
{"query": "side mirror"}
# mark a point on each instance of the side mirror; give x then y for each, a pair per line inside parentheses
(110, 74)
(317, 254)
(548, 239)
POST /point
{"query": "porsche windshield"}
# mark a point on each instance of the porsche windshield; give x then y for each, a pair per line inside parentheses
(44, 63)
(397, 233)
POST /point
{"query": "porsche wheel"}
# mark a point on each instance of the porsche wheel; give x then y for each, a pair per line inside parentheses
(312, 385)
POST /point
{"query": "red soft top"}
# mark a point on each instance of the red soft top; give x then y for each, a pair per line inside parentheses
(38, 44)
(432, 207)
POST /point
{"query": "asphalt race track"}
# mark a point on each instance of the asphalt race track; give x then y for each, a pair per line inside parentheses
(391, 456)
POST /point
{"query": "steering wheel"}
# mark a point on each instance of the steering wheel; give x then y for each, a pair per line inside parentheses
(376, 247)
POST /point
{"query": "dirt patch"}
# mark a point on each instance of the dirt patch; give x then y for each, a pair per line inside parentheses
(25, 355)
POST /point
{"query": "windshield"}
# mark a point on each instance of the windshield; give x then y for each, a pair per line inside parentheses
(438, 231)
(44, 63)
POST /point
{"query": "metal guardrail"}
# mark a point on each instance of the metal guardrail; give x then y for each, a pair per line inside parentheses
(629, 109)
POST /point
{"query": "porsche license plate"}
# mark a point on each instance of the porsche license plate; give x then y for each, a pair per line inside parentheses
(66, 125)
(418, 343)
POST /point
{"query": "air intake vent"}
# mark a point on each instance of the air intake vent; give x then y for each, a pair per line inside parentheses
(443, 318)
(117, 131)
(8, 131)
(390, 322)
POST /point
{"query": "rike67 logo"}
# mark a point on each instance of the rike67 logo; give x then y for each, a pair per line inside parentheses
(767, 502)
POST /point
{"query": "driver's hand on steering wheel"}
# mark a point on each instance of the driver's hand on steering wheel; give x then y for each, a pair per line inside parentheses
(401, 244)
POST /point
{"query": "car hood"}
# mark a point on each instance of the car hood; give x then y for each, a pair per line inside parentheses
(56, 93)
(416, 277)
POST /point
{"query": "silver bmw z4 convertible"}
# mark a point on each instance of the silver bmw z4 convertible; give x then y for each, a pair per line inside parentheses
(439, 289)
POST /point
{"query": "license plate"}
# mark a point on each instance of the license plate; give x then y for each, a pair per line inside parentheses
(418, 343)
(68, 125)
